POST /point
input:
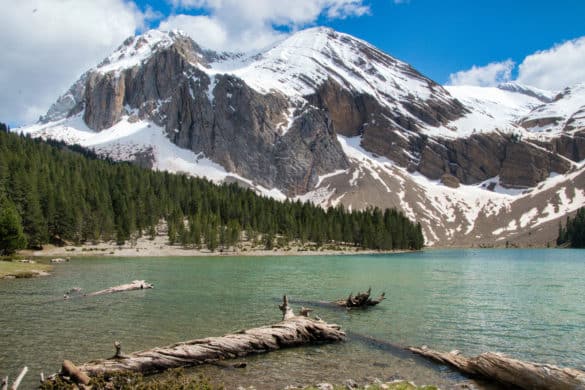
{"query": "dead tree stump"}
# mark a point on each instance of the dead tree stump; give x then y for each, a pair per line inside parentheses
(361, 300)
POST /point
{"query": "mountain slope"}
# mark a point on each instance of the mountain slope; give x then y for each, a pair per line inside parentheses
(327, 117)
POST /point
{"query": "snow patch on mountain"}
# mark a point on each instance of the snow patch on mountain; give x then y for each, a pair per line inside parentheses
(300, 64)
(541, 94)
(490, 108)
(442, 203)
(565, 113)
(137, 49)
(125, 140)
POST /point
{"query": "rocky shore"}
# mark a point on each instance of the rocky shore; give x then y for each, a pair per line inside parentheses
(159, 247)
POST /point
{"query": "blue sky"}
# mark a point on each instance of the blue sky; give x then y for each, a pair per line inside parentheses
(442, 37)
(48, 44)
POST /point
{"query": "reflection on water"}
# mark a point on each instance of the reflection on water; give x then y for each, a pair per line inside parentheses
(527, 303)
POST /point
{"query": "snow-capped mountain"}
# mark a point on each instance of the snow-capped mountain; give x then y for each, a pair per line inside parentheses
(326, 117)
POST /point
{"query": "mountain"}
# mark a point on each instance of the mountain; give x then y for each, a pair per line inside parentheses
(540, 94)
(326, 117)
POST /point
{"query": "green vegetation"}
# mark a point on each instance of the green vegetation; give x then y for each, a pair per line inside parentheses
(21, 270)
(55, 193)
(399, 385)
(573, 234)
(178, 380)
(172, 380)
(11, 232)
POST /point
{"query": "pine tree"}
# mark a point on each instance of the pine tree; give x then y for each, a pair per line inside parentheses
(66, 194)
(561, 235)
(12, 235)
(34, 224)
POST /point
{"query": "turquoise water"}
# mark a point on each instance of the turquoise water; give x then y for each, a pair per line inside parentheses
(526, 303)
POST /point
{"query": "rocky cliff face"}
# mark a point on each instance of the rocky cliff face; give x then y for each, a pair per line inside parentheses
(219, 116)
(480, 157)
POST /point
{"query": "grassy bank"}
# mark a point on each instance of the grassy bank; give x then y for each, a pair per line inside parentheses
(15, 269)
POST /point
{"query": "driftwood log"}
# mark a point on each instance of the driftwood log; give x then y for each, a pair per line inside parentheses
(361, 300)
(292, 331)
(508, 371)
(76, 292)
(135, 285)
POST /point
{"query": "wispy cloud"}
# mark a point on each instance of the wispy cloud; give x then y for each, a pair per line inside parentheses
(553, 69)
(253, 24)
(485, 76)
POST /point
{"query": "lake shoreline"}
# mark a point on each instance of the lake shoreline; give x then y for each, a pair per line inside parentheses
(23, 270)
(180, 252)
(159, 247)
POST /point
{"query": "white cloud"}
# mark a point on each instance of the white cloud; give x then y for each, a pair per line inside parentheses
(201, 28)
(252, 24)
(561, 66)
(47, 44)
(555, 68)
(484, 76)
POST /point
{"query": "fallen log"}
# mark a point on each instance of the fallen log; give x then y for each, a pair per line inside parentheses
(361, 300)
(292, 331)
(77, 292)
(508, 371)
(135, 285)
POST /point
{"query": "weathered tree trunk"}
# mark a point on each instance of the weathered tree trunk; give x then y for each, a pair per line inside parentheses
(290, 332)
(361, 300)
(135, 285)
(508, 371)
(69, 369)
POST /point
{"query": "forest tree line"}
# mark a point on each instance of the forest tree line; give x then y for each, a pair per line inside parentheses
(54, 193)
(573, 233)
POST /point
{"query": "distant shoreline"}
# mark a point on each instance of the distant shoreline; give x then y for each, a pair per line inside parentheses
(159, 247)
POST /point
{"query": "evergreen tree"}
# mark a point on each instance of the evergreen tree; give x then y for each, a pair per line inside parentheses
(12, 235)
(34, 223)
(66, 194)
(268, 241)
(574, 231)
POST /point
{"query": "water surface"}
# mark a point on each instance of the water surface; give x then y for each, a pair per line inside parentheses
(526, 303)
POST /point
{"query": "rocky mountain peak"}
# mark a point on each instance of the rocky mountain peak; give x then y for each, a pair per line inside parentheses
(563, 114)
(137, 49)
(540, 94)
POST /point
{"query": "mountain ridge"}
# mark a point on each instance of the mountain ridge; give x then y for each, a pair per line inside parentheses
(313, 114)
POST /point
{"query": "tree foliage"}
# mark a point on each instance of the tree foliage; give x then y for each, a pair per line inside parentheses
(64, 193)
(573, 234)
(11, 233)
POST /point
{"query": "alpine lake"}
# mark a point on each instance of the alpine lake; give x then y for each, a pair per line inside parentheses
(527, 303)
